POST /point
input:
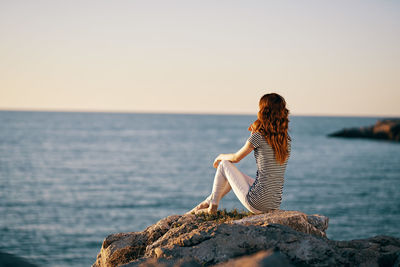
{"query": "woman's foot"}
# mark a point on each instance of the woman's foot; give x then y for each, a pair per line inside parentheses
(212, 209)
(202, 205)
(201, 211)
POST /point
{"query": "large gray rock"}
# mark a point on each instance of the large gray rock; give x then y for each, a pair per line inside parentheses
(309, 224)
(288, 237)
(259, 259)
(387, 129)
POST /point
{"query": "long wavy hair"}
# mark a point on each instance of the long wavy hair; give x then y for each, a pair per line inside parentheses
(273, 122)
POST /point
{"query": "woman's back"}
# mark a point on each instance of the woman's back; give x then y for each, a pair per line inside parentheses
(266, 192)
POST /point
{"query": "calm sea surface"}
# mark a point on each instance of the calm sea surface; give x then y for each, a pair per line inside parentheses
(67, 180)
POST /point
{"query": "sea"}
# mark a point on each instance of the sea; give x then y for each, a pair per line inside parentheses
(69, 179)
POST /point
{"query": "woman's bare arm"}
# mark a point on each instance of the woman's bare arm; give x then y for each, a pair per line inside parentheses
(235, 157)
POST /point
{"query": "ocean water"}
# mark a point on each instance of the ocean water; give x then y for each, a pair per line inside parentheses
(67, 180)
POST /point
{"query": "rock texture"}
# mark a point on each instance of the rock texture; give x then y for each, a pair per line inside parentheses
(290, 238)
(388, 129)
(259, 259)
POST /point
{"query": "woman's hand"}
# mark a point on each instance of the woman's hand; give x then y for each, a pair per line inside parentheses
(235, 157)
(217, 161)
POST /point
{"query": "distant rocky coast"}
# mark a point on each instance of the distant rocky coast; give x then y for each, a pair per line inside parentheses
(387, 129)
(278, 238)
(10, 260)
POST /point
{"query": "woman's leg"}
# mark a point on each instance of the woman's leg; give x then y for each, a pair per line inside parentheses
(228, 175)
(206, 203)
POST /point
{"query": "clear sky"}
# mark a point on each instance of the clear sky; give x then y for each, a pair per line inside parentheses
(324, 57)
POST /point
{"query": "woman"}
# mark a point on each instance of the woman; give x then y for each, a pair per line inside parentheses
(271, 144)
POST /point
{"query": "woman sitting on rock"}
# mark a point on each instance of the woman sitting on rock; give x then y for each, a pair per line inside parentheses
(271, 144)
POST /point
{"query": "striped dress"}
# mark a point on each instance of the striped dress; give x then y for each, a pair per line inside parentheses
(266, 191)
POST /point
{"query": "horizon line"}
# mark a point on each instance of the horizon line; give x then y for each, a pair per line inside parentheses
(176, 112)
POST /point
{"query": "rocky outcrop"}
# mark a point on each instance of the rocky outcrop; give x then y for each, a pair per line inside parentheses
(288, 237)
(388, 129)
(7, 259)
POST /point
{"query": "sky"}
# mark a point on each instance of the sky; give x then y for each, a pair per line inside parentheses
(324, 57)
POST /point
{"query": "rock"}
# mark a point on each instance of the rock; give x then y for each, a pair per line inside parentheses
(287, 237)
(259, 259)
(7, 259)
(122, 248)
(161, 262)
(374, 251)
(310, 224)
(387, 129)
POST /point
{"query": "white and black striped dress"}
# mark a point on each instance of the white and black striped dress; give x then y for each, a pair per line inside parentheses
(266, 191)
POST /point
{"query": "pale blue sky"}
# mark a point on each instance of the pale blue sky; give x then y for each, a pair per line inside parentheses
(324, 57)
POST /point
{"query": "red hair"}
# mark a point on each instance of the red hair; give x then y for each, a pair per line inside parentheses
(273, 122)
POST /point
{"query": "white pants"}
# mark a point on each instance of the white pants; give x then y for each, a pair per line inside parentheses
(228, 177)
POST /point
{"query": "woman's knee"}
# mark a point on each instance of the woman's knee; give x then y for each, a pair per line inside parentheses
(225, 163)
